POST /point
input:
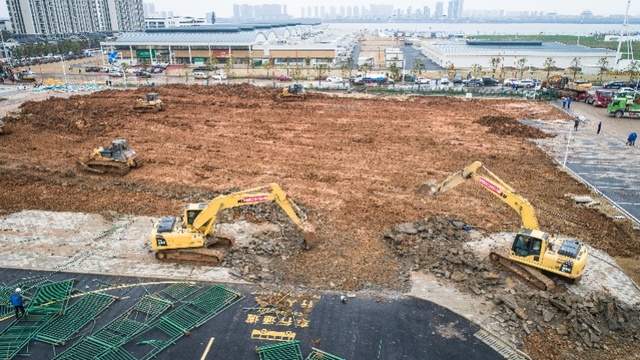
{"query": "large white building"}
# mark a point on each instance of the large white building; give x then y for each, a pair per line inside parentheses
(464, 54)
(75, 16)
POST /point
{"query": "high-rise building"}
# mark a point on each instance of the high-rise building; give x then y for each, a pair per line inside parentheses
(263, 12)
(426, 12)
(211, 17)
(356, 12)
(439, 10)
(149, 9)
(455, 9)
(75, 16)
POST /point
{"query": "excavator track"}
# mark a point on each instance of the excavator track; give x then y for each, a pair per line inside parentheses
(205, 256)
(531, 275)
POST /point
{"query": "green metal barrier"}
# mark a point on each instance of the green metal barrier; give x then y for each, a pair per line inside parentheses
(169, 328)
(317, 354)
(61, 329)
(285, 351)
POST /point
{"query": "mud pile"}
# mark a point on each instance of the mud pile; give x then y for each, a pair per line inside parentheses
(508, 126)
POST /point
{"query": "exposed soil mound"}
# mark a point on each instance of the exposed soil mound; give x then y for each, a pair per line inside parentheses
(508, 126)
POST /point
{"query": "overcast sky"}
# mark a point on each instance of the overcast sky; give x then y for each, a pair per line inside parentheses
(224, 7)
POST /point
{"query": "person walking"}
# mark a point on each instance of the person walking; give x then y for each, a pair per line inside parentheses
(16, 301)
(576, 123)
(569, 103)
(631, 140)
(564, 102)
(599, 127)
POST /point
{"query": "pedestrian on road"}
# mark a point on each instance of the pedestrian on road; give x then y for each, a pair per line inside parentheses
(631, 140)
(16, 301)
(569, 103)
(564, 102)
(599, 127)
(576, 123)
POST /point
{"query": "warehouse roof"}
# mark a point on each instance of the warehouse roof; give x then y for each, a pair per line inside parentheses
(463, 48)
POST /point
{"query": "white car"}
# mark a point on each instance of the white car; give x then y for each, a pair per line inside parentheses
(423, 81)
(200, 75)
(334, 79)
(511, 82)
(116, 73)
(527, 83)
(218, 77)
(444, 81)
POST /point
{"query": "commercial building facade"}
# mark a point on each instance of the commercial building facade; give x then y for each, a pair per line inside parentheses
(239, 44)
(49, 17)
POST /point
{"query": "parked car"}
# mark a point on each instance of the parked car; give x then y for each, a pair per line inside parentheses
(423, 81)
(457, 80)
(116, 73)
(201, 75)
(283, 78)
(219, 76)
(487, 81)
(334, 79)
(474, 83)
(614, 85)
(527, 84)
(511, 82)
(143, 74)
(444, 81)
(92, 69)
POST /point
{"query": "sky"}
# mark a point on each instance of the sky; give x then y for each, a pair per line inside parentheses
(224, 8)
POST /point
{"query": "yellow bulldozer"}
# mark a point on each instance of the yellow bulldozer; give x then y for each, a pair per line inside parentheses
(532, 250)
(117, 159)
(150, 103)
(192, 237)
(293, 92)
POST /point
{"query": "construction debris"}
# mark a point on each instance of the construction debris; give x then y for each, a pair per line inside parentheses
(508, 126)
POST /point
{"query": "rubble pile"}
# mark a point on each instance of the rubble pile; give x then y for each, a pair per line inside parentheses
(584, 322)
(436, 244)
(508, 126)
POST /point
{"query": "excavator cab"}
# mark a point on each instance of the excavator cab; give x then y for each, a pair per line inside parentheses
(525, 245)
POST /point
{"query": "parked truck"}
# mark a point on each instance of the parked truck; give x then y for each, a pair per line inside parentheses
(624, 107)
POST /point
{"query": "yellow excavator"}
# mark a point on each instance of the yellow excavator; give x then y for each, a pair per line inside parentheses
(532, 249)
(192, 238)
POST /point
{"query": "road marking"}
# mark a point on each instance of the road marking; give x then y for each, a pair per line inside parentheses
(629, 203)
(206, 350)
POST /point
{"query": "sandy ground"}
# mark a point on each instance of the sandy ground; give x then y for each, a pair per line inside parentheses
(354, 164)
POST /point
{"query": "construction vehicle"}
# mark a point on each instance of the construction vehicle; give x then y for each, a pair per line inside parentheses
(150, 103)
(193, 237)
(532, 249)
(624, 106)
(293, 92)
(118, 159)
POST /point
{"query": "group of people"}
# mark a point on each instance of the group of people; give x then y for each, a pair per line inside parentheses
(566, 102)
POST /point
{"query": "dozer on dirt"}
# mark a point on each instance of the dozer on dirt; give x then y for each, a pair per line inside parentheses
(532, 249)
(192, 238)
(150, 103)
(118, 159)
(293, 92)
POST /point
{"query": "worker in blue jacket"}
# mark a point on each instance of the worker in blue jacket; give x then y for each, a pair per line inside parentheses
(16, 301)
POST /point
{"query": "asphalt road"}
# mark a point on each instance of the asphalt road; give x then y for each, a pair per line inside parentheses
(363, 328)
(603, 160)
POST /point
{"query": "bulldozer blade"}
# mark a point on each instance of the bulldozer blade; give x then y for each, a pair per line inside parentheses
(88, 168)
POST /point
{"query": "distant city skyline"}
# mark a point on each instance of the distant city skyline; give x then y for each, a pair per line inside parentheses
(224, 8)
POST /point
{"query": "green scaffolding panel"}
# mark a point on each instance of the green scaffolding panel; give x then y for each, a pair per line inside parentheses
(317, 354)
(118, 331)
(48, 302)
(169, 328)
(177, 292)
(61, 329)
(284, 351)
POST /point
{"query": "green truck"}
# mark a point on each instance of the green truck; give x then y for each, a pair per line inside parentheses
(624, 107)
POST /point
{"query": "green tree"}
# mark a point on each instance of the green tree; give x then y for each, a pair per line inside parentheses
(575, 67)
(521, 65)
(495, 63)
(394, 70)
(418, 67)
(634, 70)
(549, 64)
(603, 64)
(365, 68)
(476, 70)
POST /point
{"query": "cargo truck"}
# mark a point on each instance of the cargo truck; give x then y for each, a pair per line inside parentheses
(624, 107)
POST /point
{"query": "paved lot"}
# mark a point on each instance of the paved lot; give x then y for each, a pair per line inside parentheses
(363, 328)
(602, 160)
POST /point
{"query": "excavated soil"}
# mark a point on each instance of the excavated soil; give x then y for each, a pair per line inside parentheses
(508, 126)
(353, 164)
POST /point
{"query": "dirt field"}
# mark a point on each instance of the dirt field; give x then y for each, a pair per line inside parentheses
(355, 164)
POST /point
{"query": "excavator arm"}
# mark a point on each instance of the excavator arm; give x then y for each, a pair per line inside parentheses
(205, 221)
(495, 186)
